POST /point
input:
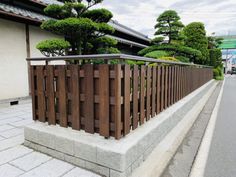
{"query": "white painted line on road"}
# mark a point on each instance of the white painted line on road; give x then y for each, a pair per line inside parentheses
(199, 165)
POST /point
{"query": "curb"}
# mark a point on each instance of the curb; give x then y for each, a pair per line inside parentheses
(199, 164)
(156, 163)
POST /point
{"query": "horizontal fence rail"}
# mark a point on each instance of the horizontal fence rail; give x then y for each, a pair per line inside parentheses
(111, 100)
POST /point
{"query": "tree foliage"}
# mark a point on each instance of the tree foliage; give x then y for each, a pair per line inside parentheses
(196, 38)
(169, 24)
(214, 42)
(174, 50)
(80, 25)
(215, 57)
(53, 47)
(157, 54)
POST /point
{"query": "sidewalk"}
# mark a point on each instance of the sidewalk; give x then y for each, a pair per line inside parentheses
(221, 160)
(17, 160)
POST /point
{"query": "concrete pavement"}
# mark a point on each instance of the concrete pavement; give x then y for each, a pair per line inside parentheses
(17, 160)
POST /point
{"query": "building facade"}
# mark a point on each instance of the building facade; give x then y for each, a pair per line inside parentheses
(20, 32)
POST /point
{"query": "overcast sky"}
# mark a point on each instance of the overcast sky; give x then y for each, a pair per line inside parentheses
(219, 16)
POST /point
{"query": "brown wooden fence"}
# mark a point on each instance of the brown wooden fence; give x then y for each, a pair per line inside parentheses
(108, 99)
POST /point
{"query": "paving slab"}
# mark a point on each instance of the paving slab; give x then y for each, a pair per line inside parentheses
(5, 127)
(52, 168)
(17, 160)
(11, 142)
(31, 161)
(13, 153)
(7, 170)
(77, 172)
(12, 132)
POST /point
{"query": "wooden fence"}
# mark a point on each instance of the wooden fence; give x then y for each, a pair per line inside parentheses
(108, 99)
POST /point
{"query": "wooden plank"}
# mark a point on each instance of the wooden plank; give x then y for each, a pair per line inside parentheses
(135, 97)
(89, 98)
(177, 83)
(104, 129)
(154, 88)
(148, 94)
(41, 94)
(142, 94)
(181, 83)
(172, 84)
(166, 87)
(169, 87)
(127, 120)
(50, 94)
(117, 101)
(62, 95)
(75, 99)
(162, 87)
(32, 84)
(158, 95)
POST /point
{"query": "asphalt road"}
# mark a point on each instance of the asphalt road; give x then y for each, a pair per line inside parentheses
(222, 156)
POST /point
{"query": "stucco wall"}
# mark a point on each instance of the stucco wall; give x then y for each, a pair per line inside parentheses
(13, 66)
(37, 35)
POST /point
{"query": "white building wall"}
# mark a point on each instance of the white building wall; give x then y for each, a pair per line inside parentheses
(13, 64)
(37, 35)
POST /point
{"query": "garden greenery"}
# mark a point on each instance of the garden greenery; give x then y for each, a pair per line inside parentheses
(84, 28)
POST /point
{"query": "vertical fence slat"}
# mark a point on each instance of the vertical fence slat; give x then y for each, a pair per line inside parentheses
(142, 94)
(118, 101)
(154, 79)
(89, 98)
(41, 94)
(162, 87)
(166, 87)
(169, 86)
(104, 128)
(32, 79)
(127, 121)
(148, 94)
(158, 95)
(50, 94)
(135, 97)
(75, 99)
(62, 95)
(172, 84)
(177, 84)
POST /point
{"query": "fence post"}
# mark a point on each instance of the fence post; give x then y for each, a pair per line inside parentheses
(117, 101)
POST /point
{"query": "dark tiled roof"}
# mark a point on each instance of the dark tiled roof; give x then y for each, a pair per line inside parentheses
(22, 12)
(38, 17)
(46, 2)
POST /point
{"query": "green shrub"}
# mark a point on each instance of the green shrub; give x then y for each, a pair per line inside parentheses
(174, 49)
(169, 59)
(157, 54)
(54, 47)
(220, 71)
(182, 59)
(216, 72)
(148, 50)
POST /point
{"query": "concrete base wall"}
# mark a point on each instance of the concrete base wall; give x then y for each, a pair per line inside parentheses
(110, 157)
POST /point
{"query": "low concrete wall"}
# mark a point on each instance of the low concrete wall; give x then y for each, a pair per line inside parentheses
(110, 157)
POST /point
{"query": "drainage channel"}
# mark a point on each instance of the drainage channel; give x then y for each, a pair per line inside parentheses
(181, 163)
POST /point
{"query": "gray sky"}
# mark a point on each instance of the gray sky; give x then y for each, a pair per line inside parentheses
(219, 16)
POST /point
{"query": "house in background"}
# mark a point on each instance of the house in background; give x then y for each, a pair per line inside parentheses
(20, 33)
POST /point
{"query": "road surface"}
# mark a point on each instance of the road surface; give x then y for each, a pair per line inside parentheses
(221, 160)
